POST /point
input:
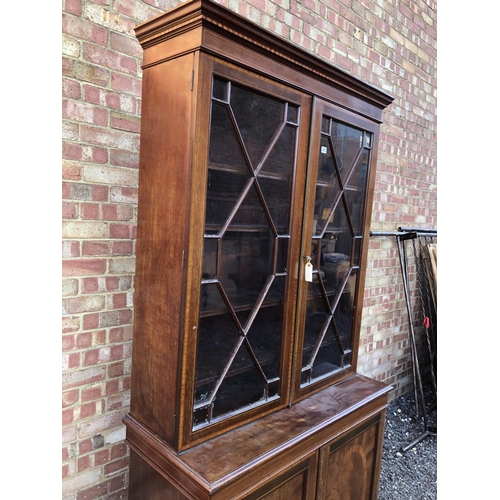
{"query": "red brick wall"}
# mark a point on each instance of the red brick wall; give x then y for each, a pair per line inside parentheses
(388, 43)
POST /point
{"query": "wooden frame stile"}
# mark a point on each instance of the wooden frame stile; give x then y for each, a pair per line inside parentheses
(305, 249)
(201, 123)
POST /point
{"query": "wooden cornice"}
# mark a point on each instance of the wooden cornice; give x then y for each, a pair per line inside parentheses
(208, 15)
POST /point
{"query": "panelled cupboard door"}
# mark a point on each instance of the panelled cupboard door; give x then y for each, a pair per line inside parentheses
(298, 483)
(350, 466)
(243, 295)
(335, 240)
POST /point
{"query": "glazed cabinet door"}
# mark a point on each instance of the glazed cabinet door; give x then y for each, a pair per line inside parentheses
(336, 230)
(239, 337)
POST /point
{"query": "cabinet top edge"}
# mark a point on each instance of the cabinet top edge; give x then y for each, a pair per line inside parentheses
(246, 447)
(206, 14)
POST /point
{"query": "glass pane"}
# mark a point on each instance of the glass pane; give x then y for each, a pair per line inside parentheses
(305, 376)
(327, 188)
(347, 142)
(277, 195)
(347, 358)
(282, 255)
(251, 211)
(344, 312)
(273, 389)
(265, 338)
(357, 251)
(200, 415)
(209, 269)
(223, 192)
(242, 385)
(339, 226)
(211, 301)
(357, 180)
(217, 336)
(225, 148)
(330, 357)
(317, 315)
(258, 118)
(326, 166)
(334, 266)
(292, 114)
(219, 89)
(276, 176)
(247, 262)
(275, 295)
(316, 253)
(356, 193)
(355, 202)
(325, 125)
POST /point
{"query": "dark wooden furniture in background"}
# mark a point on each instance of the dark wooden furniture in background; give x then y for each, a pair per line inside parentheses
(256, 171)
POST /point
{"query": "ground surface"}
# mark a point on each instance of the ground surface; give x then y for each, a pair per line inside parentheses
(410, 475)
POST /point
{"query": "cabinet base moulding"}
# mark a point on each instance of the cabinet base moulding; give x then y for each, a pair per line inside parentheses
(328, 444)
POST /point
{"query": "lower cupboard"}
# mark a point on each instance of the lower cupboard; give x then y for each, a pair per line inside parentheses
(327, 446)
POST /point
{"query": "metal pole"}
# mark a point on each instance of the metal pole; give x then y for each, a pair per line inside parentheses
(418, 380)
(384, 233)
(416, 230)
(404, 272)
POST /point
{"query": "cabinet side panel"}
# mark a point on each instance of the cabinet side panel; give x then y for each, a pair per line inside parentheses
(164, 186)
(147, 484)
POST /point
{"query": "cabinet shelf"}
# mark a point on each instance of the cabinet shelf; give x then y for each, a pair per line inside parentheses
(263, 174)
(212, 230)
(213, 304)
(264, 348)
(329, 293)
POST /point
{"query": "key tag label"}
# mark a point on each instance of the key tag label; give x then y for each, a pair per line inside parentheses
(309, 272)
